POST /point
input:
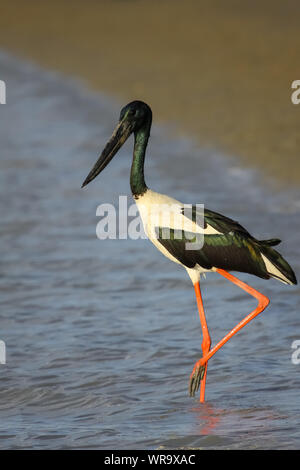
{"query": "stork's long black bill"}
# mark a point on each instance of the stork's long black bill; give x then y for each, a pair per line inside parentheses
(118, 138)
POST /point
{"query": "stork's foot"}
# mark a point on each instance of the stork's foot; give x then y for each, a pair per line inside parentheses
(195, 379)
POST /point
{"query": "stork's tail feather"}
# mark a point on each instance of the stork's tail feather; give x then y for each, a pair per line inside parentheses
(271, 242)
(276, 265)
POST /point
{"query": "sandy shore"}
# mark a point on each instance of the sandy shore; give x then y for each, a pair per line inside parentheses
(218, 71)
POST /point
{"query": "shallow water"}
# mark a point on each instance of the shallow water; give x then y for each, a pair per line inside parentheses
(101, 336)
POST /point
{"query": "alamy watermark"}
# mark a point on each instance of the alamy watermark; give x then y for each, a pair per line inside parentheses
(296, 354)
(162, 221)
(2, 92)
(295, 96)
(2, 352)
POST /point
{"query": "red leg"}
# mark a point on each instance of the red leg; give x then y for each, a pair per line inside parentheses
(263, 302)
(206, 341)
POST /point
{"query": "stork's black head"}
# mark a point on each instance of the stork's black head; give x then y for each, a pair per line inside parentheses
(132, 118)
(137, 113)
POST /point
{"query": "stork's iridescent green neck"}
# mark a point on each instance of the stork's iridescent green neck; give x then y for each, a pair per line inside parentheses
(137, 179)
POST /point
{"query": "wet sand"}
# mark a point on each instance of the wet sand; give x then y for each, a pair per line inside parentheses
(218, 71)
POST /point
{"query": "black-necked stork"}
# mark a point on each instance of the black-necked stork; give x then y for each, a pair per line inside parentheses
(226, 245)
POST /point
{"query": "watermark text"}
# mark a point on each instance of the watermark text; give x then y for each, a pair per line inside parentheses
(166, 222)
(295, 96)
(2, 92)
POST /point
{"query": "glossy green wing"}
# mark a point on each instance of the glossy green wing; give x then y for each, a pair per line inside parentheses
(232, 251)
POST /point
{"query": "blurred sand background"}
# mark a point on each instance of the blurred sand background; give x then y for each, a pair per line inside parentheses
(219, 71)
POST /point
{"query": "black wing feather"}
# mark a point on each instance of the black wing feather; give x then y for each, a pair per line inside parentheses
(231, 251)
